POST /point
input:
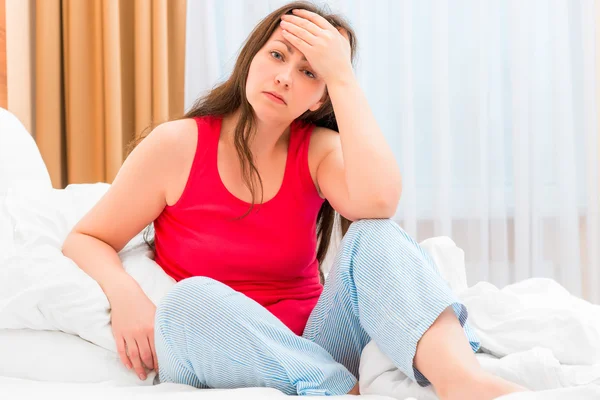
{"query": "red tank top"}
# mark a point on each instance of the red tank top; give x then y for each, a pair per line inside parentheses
(269, 255)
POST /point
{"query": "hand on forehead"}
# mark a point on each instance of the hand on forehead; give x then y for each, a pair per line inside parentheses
(316, 19)
(325, 47)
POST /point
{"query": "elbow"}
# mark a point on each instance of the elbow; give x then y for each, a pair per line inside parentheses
(388, 197)
(382, 204)
(375, 203)
(70, 243)
(387, 204)
(66, 245)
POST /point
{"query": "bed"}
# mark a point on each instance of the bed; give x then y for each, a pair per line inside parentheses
(55, 336)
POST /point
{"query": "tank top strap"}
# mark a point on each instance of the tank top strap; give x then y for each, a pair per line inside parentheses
(204, 157)
(299, 145)
(209, 130)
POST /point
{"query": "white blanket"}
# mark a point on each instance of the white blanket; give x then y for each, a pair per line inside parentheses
(23, 389)
(536, 322)
(533, 333)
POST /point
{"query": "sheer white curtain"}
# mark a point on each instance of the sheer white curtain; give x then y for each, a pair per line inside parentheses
(491, 109)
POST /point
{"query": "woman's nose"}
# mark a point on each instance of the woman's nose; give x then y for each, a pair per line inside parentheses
(283, 78)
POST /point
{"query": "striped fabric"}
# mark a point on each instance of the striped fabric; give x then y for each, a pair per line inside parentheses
(382, 286)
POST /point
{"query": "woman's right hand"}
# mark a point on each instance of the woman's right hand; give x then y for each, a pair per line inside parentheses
(132, 318)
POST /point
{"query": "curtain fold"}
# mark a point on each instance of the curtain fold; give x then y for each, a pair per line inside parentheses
(49, 88)
(105, 71)
(3, 100)
(20, 36)
(590, 16)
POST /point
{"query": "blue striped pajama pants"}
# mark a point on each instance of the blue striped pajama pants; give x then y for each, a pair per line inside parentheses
(382, 286)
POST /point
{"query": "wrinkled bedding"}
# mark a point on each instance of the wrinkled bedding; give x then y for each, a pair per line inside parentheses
(55, 337)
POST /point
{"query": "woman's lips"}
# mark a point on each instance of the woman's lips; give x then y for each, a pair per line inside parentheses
(274, 98)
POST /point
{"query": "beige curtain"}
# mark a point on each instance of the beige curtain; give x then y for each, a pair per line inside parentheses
(20, 39)
(104, 71)
(3, 100)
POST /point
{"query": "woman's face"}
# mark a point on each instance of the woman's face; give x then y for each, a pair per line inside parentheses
(282, 69)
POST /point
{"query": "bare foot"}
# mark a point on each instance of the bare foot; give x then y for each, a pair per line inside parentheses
(484, 387)
(354, 390)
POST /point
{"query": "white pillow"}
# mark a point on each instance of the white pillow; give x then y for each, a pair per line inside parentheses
(449, 260)
(60, 357)
(21, 163)
(42, 289)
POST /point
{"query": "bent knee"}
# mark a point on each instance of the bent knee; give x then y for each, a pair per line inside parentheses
(373, 224)
(380, 233)
(192, 297)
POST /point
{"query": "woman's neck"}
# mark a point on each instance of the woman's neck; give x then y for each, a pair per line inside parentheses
(269, 136)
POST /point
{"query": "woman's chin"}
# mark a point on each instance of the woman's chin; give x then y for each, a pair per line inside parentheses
(267, 112)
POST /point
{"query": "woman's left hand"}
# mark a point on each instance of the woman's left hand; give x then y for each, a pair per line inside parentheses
(326, 48)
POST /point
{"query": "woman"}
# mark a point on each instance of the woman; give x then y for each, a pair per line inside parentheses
(250, 308)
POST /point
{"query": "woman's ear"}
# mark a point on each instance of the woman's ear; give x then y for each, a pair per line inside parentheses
(318, 105)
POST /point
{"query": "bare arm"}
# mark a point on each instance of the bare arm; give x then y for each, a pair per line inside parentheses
(363, 161)
(134, 200)
(360, 176)
(137, 196)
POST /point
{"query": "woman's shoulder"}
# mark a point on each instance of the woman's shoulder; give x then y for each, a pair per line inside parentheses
(322, 142)
(177, 130)
(322, 133)
(178, 138)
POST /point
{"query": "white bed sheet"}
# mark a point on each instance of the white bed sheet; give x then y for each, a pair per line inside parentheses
(11, 388)
(54, 356)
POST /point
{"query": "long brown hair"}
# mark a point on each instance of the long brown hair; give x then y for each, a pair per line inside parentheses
(230, 96)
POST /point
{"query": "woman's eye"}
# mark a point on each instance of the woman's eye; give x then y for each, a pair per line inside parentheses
(278, 56)
(309, 74)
